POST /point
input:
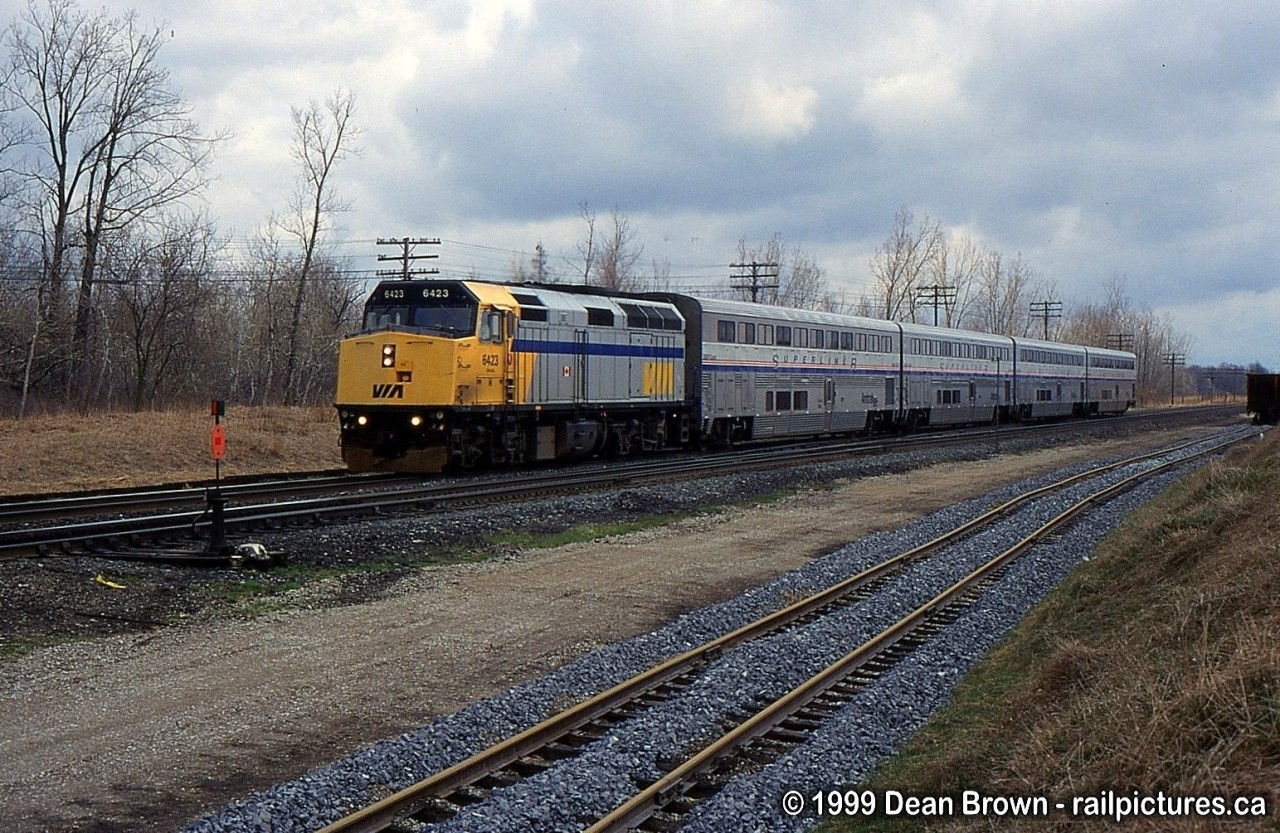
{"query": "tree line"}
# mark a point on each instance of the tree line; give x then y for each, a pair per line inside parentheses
(117, 290)
(919, 274)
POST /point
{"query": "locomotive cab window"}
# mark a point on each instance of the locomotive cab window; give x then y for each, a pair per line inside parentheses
(437, 308)
(491, 326)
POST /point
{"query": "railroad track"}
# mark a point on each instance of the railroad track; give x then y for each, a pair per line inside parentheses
(782, 723)
(36, 508)
(25, 530)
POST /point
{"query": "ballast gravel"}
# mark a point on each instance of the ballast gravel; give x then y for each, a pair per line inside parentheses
(871, 726)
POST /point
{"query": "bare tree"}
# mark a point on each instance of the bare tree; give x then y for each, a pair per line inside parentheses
(266, 309)
(57, 74)
(109, 140)
(801, 282)
(533, 268)
(518, 273)
(151, 156)
(659, 277)
(1116, 321)
(614, 265)
(159, 293)
(12, 136)
(57, 81)
(955, 267)
(587, 247)
(905, 255)
(538, 264)
(1112, 320)
(1004, 295)
(321, 138)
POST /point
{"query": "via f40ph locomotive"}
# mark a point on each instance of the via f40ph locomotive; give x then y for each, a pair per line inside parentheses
(463, 373)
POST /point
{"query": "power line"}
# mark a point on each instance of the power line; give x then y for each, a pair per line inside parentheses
(936, 296)
(1046, 310)
(1174, 360)
(755, 280)
(407, 257)
(1120, 341)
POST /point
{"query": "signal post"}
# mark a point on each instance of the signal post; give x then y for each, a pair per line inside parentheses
(217, 502)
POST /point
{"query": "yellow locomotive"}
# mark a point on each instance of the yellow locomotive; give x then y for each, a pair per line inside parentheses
(460, 373)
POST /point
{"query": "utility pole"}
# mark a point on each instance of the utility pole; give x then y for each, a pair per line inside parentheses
(1120, 341)
(406, 257)
(936, 296)
(1174, 360)
(1046, 310)
(753, 280)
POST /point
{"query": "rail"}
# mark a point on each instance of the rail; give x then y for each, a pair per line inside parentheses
(430, 791)
(682, 778)
(127, 536)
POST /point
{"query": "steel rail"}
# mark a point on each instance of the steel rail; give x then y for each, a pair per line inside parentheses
(386, 812)
(27, 508)
(681, 779)
(21, 509)
(44, 540)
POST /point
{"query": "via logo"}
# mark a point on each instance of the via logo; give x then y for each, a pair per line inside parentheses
(388, 391)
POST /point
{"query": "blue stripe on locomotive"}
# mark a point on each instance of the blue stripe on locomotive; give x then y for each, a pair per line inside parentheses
(573, 348)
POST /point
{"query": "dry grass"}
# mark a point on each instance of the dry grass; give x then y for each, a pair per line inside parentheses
(68, 451)
(1154, 667)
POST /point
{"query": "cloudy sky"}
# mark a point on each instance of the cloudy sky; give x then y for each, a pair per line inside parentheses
(1099, 139)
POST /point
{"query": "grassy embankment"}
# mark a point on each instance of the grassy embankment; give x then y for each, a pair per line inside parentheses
(1154, 667)
(69, 452)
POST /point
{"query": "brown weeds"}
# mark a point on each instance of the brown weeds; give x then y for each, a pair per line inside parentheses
(68, 451)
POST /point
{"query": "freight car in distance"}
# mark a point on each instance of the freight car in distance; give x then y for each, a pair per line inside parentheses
(1264, 397)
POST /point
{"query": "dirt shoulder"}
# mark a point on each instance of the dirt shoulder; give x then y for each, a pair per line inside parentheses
(146, 732)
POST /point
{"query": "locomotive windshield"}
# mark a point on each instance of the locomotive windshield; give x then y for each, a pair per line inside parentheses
(438, 308)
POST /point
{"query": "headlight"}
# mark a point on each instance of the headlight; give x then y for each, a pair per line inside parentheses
(362, 420)
(415, 421)
(388, 355)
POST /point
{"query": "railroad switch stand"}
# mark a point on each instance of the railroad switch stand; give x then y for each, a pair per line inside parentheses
(217, 503)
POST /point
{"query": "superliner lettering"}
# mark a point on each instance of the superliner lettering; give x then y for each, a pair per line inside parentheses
(388, 391)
